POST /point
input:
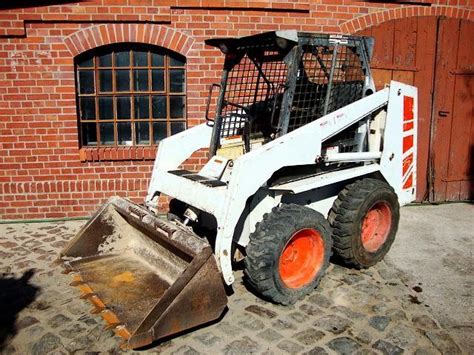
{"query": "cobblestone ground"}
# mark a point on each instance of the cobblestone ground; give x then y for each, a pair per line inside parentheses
(374, 311)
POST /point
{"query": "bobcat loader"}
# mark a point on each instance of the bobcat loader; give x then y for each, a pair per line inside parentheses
(306, 160)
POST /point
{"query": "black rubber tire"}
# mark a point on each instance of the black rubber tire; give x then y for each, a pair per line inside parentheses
(347, 215)
(269, 240)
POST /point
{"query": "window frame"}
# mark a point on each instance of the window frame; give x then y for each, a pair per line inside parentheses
(132, 93)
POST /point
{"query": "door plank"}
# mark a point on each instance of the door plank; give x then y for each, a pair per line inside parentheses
(425, 61)
(460, 158)
(448, 40)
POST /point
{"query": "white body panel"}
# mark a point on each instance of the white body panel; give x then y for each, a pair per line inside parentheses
(230, 204)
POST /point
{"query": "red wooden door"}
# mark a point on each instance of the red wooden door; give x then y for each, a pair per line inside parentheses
(452, 149)
(414, 51)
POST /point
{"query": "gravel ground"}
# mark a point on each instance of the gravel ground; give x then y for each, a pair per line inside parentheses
(375, 311)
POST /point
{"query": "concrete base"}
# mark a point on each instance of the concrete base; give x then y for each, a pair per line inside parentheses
(434, 246)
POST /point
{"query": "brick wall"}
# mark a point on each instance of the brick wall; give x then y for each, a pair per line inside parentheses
(44, 173)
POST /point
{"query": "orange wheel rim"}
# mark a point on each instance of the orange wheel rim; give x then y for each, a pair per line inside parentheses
(376, 226)
(302, 258)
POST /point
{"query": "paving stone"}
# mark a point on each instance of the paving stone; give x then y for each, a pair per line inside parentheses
(208, 338)
(349, 313)
(379, 322)
(403, 336)
(361, 336)
(71, 331)
(425, 322)
(249, 322)
(282, 324)
(339, 311)
(320, 300)
(317, 350)
(351, 279)
(344, 345)
(309, 336)
(311, 310)
(33, 332)
(261, 311)
(228, 329)
(25, 322)
(270, 335)
(333, 324)
(424, 351)
(366, 352)
(289, 347)
(387, 348)
(45, 344)
(443, 342)
(79, 343)
(298, 317)
(58, 320)
(241, 346)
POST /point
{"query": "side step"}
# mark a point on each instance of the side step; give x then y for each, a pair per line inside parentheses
(198, 178)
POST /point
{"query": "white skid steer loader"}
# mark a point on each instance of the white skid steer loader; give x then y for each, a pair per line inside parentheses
(306, 159)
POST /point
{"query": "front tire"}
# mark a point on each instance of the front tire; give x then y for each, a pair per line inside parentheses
(288, 253)
(364, 219)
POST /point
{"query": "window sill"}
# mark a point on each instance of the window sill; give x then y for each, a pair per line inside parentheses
(97, 154)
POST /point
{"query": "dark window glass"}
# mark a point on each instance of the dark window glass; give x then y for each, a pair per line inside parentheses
(86, 82)
(177, 106)
(87, 108)
(105, 60)
(106, 110)
(158, 104)
(142, 132)
(105, 79)
(176, 80)
(86, 63)
(177, 127)
(130, 95)
(176, 62)
(140, 59)
(140, 80)
(122, 59)
(122, 80)
(158, 80)
(157, 60)
(89, 134)
(123, 107)
(159, 131)
(124, 133)
(142, 108)
(106, 133)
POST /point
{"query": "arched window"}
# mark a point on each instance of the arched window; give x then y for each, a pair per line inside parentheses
(130, 94)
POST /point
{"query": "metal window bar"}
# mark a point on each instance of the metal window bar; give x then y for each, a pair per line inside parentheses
(252, 87)
(131, 94)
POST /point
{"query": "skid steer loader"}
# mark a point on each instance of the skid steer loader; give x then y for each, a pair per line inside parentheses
(306, 160)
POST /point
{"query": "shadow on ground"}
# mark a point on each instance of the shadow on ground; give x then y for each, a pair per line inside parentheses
(15, 295)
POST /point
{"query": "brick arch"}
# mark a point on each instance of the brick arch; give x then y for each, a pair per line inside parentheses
(96, 36)
(362, 22)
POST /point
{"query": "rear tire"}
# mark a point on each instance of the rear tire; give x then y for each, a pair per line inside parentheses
(364, 219)
(288, 253)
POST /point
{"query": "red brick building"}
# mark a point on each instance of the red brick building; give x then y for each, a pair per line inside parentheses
(88, 88)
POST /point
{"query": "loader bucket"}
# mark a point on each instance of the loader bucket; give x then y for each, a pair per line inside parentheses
(147, 278)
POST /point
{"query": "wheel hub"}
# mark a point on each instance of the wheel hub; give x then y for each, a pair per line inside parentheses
(302, 258)
(376, 226)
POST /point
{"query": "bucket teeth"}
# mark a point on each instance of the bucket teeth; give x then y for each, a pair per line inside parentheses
(77, 283)
(87, 296)
(112, 326)
(96, 310)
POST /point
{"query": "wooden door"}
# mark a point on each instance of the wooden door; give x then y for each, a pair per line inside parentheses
(452, 149)
(415, 51)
